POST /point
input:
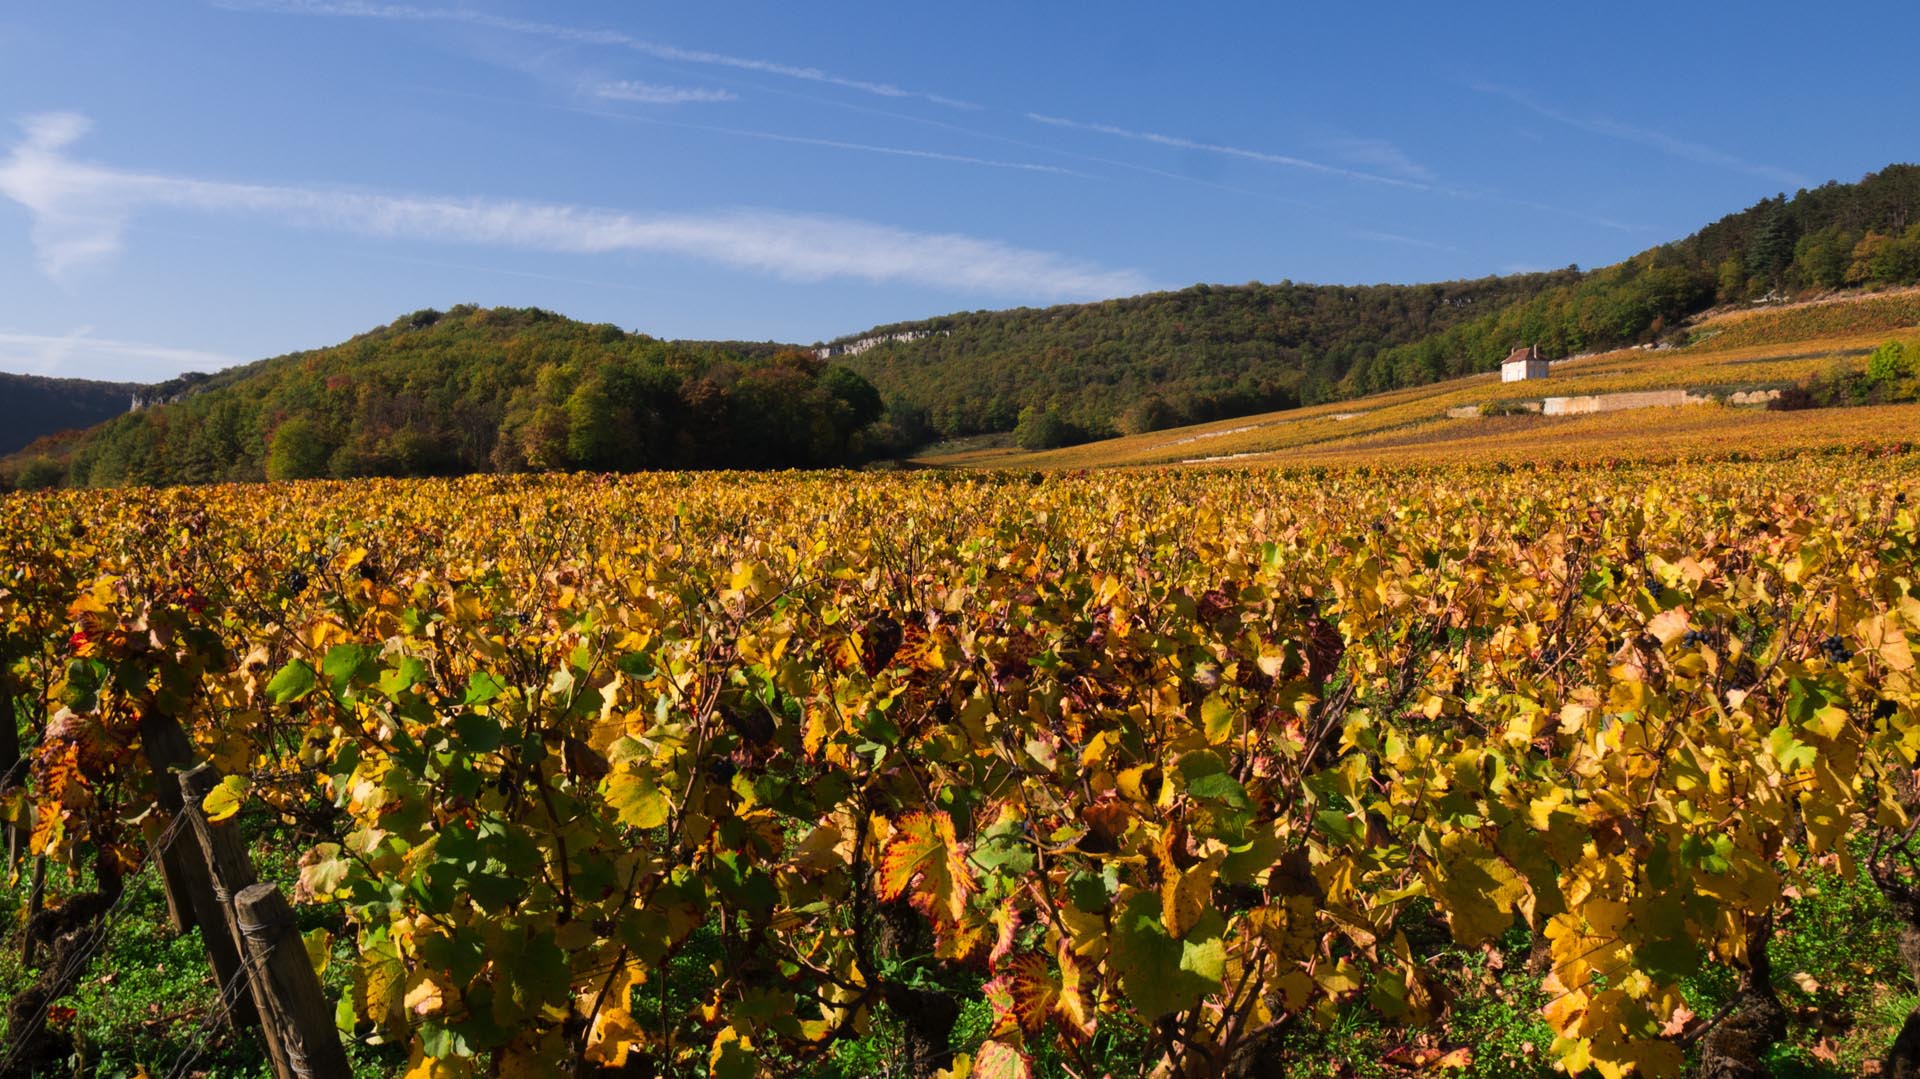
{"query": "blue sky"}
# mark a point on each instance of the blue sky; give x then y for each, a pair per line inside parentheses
(189, 184)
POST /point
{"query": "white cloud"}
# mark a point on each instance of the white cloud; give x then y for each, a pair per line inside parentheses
(79, 354)
(1179, 143)
(362, 9)
(1698, 153)
(80, 212)
(647, 93)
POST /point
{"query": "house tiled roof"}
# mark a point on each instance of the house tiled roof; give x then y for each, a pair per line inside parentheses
(1520, 355)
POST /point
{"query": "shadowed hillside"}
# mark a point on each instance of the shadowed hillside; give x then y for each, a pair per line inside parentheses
(33, 407)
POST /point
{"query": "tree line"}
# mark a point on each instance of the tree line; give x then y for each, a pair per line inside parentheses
(481, 390)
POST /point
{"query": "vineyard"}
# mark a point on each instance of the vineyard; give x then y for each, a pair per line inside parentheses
(1477, 418)
(1164, 774)
(1850, 317)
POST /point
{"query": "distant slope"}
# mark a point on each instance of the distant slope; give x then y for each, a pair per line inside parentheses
(474, 390)
(33, 407)
(1167, 359)
(1817, 354)
(1164, 358)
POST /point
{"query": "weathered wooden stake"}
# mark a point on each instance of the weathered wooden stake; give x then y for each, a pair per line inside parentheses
(189, 883)
(230, 871)
(9, 758)
(36, 898)
(169, 750)
(297, 1007)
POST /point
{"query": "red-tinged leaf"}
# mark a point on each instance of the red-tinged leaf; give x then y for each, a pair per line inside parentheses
(924, 848)
(958, 941)
(998, 1060)
(1074, 1011)
(1006, 921)
(999, 997)
(1033, 990)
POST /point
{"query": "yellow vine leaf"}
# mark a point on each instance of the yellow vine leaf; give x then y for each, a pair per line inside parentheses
(732, 1056)
(1477, 889)
(923, 847)
(224, 800)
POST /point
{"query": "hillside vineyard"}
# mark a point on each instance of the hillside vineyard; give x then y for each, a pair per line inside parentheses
(1174, 758)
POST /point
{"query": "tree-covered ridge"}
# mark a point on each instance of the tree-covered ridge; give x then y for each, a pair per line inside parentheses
(478, 390)
(1837, 235)
(1204, 353)
(1165, 358)
(33, 407)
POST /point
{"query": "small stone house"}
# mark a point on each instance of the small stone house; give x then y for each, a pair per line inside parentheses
(1522, 364)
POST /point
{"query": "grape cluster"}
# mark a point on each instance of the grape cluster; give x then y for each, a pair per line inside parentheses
(1694, 638)
(1835, 650)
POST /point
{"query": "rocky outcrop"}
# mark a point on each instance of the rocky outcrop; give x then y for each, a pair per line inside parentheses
(855, 348)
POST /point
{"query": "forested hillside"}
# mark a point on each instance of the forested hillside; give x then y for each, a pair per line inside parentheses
(478, 390)
(32, 407)
(1166, 359)
(1834, 236)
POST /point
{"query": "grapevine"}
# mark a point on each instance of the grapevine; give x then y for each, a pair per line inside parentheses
(707, 773)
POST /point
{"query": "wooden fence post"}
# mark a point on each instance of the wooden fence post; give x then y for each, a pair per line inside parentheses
(189, 883)
(168, 749)
(231, 872)
(36, 898)
(9, 757)
(296, 1005)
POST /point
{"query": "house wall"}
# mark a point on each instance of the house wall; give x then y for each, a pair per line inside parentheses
(1522, 370)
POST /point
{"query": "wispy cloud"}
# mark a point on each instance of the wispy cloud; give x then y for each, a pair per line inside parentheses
(80, 213)
(1672, 146)
(1601, 220)
(1180, 143)
(101, 357)
(647, 93)
(363, 9)
(809, 140)
(1404, 240)
(1379, 155)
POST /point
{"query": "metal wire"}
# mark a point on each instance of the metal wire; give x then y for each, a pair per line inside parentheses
(229, 995)
(81, 956)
